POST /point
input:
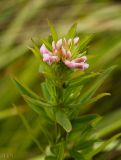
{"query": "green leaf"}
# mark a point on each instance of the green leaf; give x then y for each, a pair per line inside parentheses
(49, 91)
(71, 94)
(60, 155)
(77, 156)
(53, 31)
(99, 96)
(50, 158)
(88, 94)
(91, 91)
(84, 120)
(80, 81)
(45, 70)
(29, 130)
(85, 144)
(84, 42)
(36, 53)
(72, 31)
(106, 143)
(63, 120)
(40, 107)
(45, 91)
(35, 50)
(24, 90)
(47, 44)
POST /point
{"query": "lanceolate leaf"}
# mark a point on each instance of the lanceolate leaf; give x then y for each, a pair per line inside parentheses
(88, 94)
(63, 120)
(80, 81)
(29, 130)
(83, 43)
(47, 44)
(99, 96)
(40, 107)
(86, 119)
(106, 143)
(72, 31)
(91, 91)
(53, 31)
(60, 155)
(24, 90)
(77, 156)
(49, 91)
(35, 50)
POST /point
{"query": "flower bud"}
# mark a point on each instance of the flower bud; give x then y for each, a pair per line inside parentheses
(63, 52)
(53, 45)
(68, 54)
(59, 44)
(86, 65)
(69, 41)
(44, 50)
(76, 40)
(64, 41)
(50, 59)
(81, 59)
(70, 64)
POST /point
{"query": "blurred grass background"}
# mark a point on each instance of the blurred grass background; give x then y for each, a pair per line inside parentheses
(22, 20)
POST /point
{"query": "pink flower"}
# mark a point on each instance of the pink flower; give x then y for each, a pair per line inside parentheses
(73, 64)
(49, 58)
(47, 55)
(61, 51)
(44, 50)
(59, 44)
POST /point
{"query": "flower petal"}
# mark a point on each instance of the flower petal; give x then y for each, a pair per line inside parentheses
(68, 54)
(44, 50)
(73, 64)
(81, 59)
(76, 40)
(63, 52)
(50, 59)
(70, 42)
(59, 44)
(53, 45)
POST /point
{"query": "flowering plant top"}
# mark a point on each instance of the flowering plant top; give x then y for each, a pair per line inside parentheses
(66, 50)
(61, 51)
(64, 96)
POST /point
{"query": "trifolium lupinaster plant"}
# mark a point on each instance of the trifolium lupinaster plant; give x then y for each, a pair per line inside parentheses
(67, 90)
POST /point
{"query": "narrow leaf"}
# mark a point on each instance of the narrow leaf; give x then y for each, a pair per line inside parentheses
(47, 44)
(40, 107)
(91, 91)
(24, 90)
(84, 42)
(53, 31)
(77, 156)
(35, 50)
(63, 120)
(106, 143)
(87, 95)
(72, 31)
(86, 120)
(60, 155)
(29, 130)
(99, 96)
(80, 81)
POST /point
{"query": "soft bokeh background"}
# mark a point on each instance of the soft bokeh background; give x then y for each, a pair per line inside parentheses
(21, 20)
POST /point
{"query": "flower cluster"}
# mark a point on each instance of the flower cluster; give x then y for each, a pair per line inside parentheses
(61, 52)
